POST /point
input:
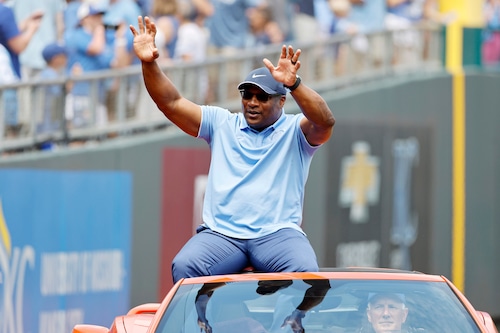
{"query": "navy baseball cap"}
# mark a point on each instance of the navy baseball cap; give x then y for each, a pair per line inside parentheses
(373, 297)
(51, 50)
(262, 78)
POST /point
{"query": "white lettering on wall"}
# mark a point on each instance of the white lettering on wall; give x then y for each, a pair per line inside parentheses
(66, 273)
(14, 267)
(361, 254)
(59, 321)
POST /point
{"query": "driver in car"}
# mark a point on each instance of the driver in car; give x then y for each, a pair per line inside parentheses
(387, 312)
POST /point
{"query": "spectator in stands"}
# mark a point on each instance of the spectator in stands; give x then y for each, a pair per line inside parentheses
(410, 10)
(89, 49)
(204, 9)
(305, 23)
(167, 23)
(491, 33)
(192, 38)
(401, 16)
(56, 58)
(15, 38)
(433, 15)
(145, 6)
(70, 16)
(264, 29)
(229, 25)
(229, 28)
(120, 14)
(367, 17)
(9, 96)
(50, 31)
(341, 23)
(253, 204)
(192, 46)
(121, 11)
(283, 13)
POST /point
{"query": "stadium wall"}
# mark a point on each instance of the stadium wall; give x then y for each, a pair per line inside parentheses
(358, 210)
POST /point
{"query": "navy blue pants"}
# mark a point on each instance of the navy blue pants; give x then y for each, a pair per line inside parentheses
(211, 253)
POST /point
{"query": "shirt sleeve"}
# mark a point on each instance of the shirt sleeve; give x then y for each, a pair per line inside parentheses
(305, 146)
(211, 115)
(8, 25)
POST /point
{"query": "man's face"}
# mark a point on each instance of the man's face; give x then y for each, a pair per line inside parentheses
(259, 108)
(387, 314)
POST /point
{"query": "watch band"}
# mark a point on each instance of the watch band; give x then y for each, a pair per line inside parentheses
(295, 85)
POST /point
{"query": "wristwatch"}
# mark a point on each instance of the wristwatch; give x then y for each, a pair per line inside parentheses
(295, 85)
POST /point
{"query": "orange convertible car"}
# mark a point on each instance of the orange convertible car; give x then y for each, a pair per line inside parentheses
(337, 300)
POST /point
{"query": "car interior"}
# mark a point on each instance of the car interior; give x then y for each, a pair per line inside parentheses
(338, 306)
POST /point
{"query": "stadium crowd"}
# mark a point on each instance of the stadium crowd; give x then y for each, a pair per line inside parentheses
(185, 26)
(50, 38)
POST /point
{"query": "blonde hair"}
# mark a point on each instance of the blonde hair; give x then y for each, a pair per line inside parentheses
(340, 8)
(164, 8)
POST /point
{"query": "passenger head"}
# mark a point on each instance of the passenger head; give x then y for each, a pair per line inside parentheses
(387, 312)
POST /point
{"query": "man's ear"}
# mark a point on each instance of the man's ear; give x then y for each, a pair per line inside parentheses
(282, 100)
(369, 316)
(405, 314)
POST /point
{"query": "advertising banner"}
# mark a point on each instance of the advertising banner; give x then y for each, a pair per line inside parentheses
(381, 187)
(184, 173)
(64, 249)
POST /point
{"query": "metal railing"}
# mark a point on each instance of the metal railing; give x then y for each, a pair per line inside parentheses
(118, 104)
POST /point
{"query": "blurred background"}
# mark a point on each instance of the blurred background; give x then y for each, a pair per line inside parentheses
(98, 191)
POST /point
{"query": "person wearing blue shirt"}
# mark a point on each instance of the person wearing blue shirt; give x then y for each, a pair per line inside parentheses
(14, 38)
(228, 28)
(56, 58)
(252, 211)
(490, 48)
(50, 31)
(92, 47)
(368, 15)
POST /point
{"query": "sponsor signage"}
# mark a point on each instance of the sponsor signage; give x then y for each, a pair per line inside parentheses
(64, 249)
(380, 181)
(184, 174)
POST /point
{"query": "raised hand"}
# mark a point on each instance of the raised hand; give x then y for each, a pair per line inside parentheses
(288, 65)
(204, 326)
(144, 40)
(295, 321)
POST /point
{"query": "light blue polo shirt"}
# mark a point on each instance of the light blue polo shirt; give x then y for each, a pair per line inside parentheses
(256, 179)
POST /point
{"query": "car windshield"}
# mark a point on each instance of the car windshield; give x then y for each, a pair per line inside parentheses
(332, 306)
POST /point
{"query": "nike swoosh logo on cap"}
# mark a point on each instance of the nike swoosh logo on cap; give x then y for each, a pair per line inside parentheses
(257, 75)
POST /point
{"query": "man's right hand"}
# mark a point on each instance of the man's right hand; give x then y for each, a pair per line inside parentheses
(295, 321)
(204, 326)
(144, 40)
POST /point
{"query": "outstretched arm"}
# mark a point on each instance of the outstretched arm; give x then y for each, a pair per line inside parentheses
(312, 297)
(182, 112)
(201, 302)
(318, 123)
(27, 28)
